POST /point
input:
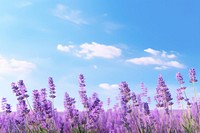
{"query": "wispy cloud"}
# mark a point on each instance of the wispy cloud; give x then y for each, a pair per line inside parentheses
(161, 67)
(152, 51)
(145, 61)
(165, 55)
(107, 86)
(92, 50)
(12, 66)
(73, 16)
(63, 48)
(160, 59)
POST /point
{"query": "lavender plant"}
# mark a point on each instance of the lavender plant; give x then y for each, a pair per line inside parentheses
(131, 115)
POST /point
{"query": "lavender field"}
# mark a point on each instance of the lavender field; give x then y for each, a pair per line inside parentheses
(131, 116)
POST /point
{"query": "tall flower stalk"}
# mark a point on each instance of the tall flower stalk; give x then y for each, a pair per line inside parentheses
(134, 114)
(181, 90)
(163, 96)
(193, 80)
(71, 114)
(125, 98)
(52, 89)
(82, 92)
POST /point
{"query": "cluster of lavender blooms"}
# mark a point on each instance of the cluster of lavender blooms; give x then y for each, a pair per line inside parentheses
(132, 115)
(163, 96)
(181, 90)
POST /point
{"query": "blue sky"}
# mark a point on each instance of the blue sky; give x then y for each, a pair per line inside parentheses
(107, 41)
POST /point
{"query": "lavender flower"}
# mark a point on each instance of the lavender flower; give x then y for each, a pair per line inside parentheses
(8, 108)
(188, 102)
(125, 91)
(163, 96)
(96, 107)
(71, 113)
(22, 111)
(23, 89)
(3, 104)
(192, 75)
(20, 90)
(179, 78)
(48, 109)
(15, 89)
(82, 92)
(179, 96)
(134, 99)
(132, 116)
(181, 90)
(36, 101)
(94, 111)
(23, 108)
(125, 98)
(146, 109)
(43, 94)
(52, 88)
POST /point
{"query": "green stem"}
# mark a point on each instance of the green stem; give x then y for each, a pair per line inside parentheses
(195, 93)
(136, 122)
(29, 104)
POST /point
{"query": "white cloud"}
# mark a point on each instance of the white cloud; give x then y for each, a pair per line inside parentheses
(171, 56)
(144, 61)
(12, 66)
(65, 13)
(161, 67)
(162, 53)
(63, 48)
(175, 64)
(108, 86)
(165, 55)
(161, 59)
(152, 51)
(90, 50)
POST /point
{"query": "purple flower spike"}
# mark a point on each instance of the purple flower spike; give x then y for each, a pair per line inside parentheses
(8, 108)
(146, 109)
(179, 96)
(125, 91)
(23, 89)
(82, 91)
(52, 88)
(179, 78)
(81, 81)
(125, 98)
(3, 104)
(36, 101)
(163, 96)
(71, 113)
(192, 75)
(134, 99)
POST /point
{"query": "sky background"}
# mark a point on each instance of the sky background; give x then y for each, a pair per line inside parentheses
(108, 41)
